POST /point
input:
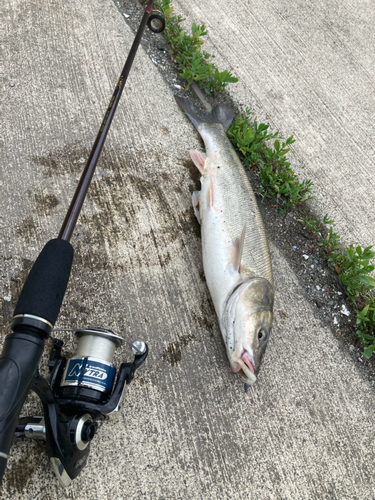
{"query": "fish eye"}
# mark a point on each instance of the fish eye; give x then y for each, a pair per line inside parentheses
(262, 335)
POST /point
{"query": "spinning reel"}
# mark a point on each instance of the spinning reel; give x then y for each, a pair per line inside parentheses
(81, 390)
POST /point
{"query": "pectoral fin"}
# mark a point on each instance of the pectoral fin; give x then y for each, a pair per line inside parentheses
(210, 194)
(195, 200)
(236, 251)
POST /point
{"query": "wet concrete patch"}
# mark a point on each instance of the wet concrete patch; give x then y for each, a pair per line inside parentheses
(126, 208)
(20, 474)
(45, 203)
(72, 159)
(172, 354)
(69, 159)
(205, 322)
(204, 316)
(165, 131)
(190, 223)
(27, 229)
(119, 201)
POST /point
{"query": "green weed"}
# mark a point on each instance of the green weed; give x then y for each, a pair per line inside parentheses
(192, 62)
(316, 226)
(331, 246)
(329, 239)
(278, 179)
(366, 327)
(353, 267)
(352, 263)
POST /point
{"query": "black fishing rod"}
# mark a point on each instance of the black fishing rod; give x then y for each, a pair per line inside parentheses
(84, 388)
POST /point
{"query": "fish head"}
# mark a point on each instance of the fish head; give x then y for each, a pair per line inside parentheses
(247, 323)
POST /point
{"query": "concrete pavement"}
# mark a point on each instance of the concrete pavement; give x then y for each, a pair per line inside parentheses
(187, 430)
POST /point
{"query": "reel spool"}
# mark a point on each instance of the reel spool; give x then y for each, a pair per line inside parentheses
(90, 374)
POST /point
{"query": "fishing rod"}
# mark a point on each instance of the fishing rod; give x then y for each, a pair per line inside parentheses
(83, 389)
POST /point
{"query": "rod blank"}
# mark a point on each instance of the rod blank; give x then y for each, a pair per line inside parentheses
(74, 210)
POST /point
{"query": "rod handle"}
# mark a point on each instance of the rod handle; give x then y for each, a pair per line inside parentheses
(18, 363)
(43, 292)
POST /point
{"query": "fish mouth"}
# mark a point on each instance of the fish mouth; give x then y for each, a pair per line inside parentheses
(245, 365)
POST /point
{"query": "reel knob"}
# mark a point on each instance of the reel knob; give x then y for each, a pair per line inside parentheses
(139, 347)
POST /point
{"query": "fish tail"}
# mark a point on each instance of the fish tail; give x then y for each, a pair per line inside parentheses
(221, 113)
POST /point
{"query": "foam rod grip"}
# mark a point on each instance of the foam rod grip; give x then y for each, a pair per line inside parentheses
(44, 289)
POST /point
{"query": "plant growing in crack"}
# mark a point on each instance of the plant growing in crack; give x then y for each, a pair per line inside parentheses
(193, 62)
(252, 140)
(352, 264)
(366, 327)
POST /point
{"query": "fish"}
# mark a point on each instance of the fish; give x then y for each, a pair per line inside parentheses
(235, 252)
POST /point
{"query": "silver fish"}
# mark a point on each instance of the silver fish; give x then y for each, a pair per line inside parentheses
(236, 258)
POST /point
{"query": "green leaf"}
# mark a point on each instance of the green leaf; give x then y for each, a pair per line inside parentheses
(368, 352)
(365, 310)
(367, 280)
(231, 79)
(194, 28)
